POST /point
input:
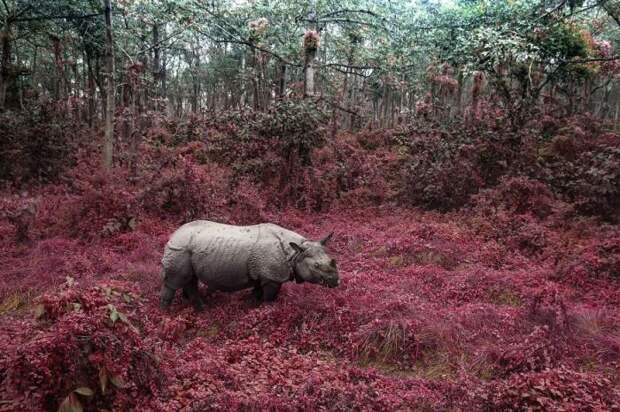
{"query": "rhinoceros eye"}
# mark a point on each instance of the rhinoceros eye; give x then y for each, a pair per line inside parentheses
(316, 265)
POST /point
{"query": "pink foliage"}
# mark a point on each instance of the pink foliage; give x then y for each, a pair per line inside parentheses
(555, 389)
(510, 302)
(426, 313)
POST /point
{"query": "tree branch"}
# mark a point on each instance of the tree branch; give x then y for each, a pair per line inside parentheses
(165, 39)
(609, 12)
(602, 59)
(250, 45)
(556, 8)
(6, 7)
(336, 105)
(68, 16)
(338, 69)
(351, 21)
(343, 11)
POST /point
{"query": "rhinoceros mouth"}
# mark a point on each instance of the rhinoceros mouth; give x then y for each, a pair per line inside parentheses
(331, 285)
(330, 282)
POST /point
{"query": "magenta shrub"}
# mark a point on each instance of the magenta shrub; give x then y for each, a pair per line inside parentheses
(82, 339)
(598, 258)
(516, 195)
(554, 389)
(441, 173)
(35, 145)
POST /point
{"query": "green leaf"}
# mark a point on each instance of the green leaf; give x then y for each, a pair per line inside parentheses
(70, 404)
(117, 381)
(123, 317)
(83, 390)
(113, 313)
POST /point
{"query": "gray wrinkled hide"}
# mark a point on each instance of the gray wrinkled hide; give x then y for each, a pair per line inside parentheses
(227, 257)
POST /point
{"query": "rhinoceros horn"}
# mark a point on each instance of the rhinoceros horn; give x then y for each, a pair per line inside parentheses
(326, 239)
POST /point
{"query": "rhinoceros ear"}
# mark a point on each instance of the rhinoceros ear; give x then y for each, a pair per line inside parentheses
(296, 247)
(326, 239)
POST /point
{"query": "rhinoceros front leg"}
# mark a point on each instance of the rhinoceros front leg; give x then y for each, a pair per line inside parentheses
(270, 291)
(258, 291)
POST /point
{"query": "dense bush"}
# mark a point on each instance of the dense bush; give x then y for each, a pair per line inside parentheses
(596, 258)
(591, 180)
(516, 195)
(85, 351)
(448, 163)
(20, 212)
(100, 204)
(34, 145)
(581, 162)
(296, 126)
(184, 190)
(442, 172)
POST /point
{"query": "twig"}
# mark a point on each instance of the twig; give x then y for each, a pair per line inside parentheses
(556, 8)
(68, 16)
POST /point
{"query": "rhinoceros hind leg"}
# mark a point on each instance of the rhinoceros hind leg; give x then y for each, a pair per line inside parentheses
(191, 292)
(270, 291)
(187, 292)
(166, 296)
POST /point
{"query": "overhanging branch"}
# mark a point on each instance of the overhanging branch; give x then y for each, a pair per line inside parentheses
(68, 17)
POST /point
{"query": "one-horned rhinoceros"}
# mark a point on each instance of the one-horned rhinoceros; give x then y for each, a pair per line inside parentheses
(230, 258)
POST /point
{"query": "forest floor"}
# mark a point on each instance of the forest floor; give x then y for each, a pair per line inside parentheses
(431, 313)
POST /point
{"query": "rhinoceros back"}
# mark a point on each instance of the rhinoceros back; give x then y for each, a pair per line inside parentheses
(217, 253)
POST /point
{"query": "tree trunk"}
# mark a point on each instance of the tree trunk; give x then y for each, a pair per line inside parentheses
(458, 112)
(58, 62)
(242, 99)
(131, 125)
(92, 91)
(311, 45)
(108, 148)
(156, 70)
(196, 86)
(309, 73)
(164, 79)
(5, 63)
(256, 100)
(282, 80)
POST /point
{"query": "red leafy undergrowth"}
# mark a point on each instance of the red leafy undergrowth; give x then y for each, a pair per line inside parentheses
(552, 389)
(218, 377)
(82, 342)
(432, 314)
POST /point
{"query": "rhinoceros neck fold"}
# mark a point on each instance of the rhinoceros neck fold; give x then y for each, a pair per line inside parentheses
(290, 260)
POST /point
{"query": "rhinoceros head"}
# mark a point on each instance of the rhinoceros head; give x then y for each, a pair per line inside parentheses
(313, 264)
